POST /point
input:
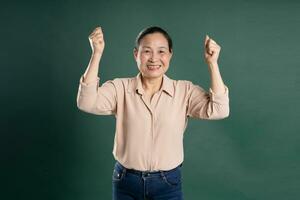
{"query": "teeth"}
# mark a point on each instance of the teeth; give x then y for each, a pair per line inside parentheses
(152, 67)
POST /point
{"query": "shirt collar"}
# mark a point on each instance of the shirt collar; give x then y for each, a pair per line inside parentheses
(167, 85)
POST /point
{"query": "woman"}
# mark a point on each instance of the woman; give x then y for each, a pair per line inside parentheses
(151, 112)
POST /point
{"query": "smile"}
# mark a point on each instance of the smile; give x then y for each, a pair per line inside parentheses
(153, 67)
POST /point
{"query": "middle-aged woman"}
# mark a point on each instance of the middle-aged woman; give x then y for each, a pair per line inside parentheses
(152, 112)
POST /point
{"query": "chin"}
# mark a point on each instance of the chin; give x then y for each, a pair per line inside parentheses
(153, 74)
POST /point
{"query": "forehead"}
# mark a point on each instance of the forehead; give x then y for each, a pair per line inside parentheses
(154, 39)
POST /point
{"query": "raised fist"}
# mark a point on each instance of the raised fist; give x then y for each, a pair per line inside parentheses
(211, 50)
(97, 41)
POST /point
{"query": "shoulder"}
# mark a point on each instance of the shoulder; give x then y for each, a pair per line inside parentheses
(178, 87)
(124, 80)
(187, 87)
(183, 84)
(123, 83)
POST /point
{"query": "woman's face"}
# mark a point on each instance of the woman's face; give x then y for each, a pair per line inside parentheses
(153, 55)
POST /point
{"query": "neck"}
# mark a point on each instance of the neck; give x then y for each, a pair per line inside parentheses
(152, 84)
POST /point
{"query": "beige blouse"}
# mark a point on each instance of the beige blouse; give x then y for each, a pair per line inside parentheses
(149, 133)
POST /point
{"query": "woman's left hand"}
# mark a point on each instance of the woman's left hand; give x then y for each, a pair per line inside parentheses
(211, 51)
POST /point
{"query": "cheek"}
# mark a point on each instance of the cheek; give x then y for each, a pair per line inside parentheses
(144, 58)
(166, 59)
(140, 59)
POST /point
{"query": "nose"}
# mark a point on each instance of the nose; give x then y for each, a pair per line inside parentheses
(153, 57)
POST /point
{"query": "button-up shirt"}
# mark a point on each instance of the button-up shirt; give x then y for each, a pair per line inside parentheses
(149, 133)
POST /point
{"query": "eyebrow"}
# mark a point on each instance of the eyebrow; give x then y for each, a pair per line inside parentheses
(162, 47)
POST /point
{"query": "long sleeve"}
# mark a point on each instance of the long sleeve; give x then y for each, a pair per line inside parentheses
(207, 105)
(97, 100)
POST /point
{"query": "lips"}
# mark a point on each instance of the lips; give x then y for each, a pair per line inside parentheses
(153, 67)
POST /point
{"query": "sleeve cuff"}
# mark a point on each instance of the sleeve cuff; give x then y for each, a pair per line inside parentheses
(221, 98)
(90, 83)
(88, 88)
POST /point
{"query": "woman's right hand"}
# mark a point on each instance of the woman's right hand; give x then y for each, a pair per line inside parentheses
(97, 41)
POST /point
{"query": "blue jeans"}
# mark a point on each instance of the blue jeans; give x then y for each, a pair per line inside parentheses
(129, 184)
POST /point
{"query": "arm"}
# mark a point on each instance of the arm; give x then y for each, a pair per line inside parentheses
(215, 104)
(207, 105)
(91, 98)
(211, 54)
(97, 45)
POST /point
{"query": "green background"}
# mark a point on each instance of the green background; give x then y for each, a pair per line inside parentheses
(51, 150)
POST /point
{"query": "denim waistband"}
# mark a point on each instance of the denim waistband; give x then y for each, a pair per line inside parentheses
(138, 172)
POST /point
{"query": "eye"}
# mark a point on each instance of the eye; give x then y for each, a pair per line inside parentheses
(161, 52)
(146, 51)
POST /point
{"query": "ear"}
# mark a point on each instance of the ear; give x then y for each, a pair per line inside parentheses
(135, 52)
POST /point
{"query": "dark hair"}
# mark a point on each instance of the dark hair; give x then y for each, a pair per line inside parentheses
(150, 30)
